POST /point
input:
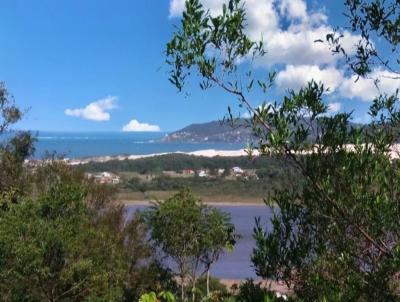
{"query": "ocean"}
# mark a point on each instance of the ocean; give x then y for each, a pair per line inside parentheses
(92, 144)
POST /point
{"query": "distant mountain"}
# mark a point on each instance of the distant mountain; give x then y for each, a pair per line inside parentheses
(218, 132)
(215, 132)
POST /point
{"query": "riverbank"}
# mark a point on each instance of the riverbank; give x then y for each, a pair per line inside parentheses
(147, 203)
(275, 286)
(139, 198)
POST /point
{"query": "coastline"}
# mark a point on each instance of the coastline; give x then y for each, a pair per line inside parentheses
(394, 154)
(200, 153)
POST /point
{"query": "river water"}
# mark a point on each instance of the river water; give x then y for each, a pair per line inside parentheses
(237, 264)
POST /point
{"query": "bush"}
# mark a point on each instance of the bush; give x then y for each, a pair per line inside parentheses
(254, 292)
(215, 286)
(250, 292)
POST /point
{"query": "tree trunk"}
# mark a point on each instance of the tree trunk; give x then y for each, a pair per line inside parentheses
(194, 289)
(208, 282)
(182, 288)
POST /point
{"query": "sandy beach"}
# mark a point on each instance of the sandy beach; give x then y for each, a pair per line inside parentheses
(204, 153)
(394, 153)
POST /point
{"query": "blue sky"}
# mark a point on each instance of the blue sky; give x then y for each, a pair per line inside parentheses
(98, 65)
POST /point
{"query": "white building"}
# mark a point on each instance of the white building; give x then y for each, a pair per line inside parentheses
(107, 178)
(202, 173)
(237, 170)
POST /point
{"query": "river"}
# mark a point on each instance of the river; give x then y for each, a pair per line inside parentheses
(237, 264)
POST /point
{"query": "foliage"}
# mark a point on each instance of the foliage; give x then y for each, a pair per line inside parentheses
(211, 186)
(15, 147)
(338, 234)
(255, 292)
(179, 162)
(9, 112)
(190, 233)
(250, 291)
(62, 236)
(372, 19)
(161, 297)
(273, 174)
(50, 251)
(70, 240)
(215, 287)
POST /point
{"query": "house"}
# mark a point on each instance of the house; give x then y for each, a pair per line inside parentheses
(115, 180)
(202, 173)
(221, 171)
(107, 178)
(237, 171)
(188, 172)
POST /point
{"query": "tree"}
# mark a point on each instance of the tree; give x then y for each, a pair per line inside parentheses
(68, 239)
(15, 147)
(372, 19)
(335, 232)
(189, 233)
(51, 252)
(219, 236)
(127, 245)
(62, 236)
(9, 112)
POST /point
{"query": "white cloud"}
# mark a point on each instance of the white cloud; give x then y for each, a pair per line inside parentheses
(294, 44)
(295, 77)
(95, 111)
(246, 115)
(292, 48)
(262, 19)
(365, 88)
(136, 126)
(293, 9)
(176, 7)
(297, 46)
(334, 107)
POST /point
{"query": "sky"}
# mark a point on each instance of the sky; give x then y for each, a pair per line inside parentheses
(98, 65)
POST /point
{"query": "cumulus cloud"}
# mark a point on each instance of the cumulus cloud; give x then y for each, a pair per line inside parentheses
(365, 88)
(295, 77)
(95, 111)
(334, 107)
(298, 47)
(294, 44)
(136, 126)
(294, 9)
(246, 115)
(176, 7)
(262, 19)
(289, 31)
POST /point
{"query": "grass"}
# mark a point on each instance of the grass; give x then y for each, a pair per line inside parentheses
(135, 197)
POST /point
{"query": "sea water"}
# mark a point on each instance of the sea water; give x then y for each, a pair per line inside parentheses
(93, 144)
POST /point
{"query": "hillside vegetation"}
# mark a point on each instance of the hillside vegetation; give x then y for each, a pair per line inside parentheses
(150, 177)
